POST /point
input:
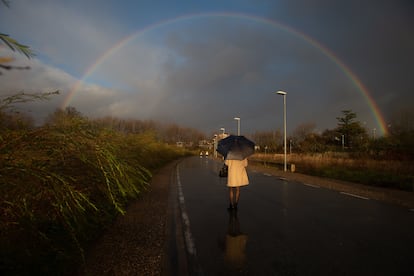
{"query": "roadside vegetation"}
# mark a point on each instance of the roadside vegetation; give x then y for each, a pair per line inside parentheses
(62, 183)
(349, 152)
(342, 166)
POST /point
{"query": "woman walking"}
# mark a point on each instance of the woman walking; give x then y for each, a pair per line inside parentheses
(237, 177)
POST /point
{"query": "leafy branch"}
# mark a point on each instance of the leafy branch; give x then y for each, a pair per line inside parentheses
(12, 43)
(16, 46)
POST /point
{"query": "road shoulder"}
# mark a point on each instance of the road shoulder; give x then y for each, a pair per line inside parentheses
(401, 198)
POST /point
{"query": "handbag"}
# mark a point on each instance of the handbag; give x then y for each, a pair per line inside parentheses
(224, 171)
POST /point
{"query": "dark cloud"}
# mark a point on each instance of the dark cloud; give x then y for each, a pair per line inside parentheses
(222, 73)
(374, 38)
(204, 71)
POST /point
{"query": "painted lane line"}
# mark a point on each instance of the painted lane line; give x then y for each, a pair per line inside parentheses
(282, 178)
(181, 198)
(311, 185)
(357, 196)
(189, 241)
(267, 174)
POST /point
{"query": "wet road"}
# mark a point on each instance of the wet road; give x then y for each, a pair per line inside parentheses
(287, 228)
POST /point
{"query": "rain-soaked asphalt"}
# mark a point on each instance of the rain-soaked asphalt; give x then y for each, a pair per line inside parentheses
(286, 228)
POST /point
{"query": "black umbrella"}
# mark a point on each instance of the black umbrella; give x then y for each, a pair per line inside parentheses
(235, 147)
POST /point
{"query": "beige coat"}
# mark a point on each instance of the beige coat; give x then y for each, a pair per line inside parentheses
(237, 175)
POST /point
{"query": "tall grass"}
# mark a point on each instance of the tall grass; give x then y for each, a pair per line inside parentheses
(60, 183)
(383, 173)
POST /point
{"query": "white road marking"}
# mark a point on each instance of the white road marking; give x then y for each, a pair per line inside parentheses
(311, 185)
(189, 241)
(282, 178)
(267, 174)
(357, 196)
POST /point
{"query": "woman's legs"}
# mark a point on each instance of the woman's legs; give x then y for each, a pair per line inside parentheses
(234, 195)
(237, 196)
(231, 197)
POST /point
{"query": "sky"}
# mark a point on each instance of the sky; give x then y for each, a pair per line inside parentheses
(200, 64)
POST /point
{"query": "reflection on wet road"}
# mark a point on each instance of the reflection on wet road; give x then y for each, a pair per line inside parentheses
(235, 244)
(288, 228)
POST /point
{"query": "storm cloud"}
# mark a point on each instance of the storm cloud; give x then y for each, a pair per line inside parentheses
(202, 71)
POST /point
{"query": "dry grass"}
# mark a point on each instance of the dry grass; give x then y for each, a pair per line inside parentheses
(383, 173)
(61, 184)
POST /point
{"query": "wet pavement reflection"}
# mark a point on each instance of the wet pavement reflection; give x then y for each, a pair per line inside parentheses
(235, 245)
(287, 228)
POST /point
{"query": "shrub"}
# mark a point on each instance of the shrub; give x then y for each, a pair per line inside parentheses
(60, 183)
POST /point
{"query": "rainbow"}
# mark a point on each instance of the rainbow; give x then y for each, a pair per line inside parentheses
(327, 52)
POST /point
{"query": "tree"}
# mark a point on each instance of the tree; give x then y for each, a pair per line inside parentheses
(273, 140)
(305, 139)
(15, 121)
(64, 117)
(354, 135)
(402, 133)
(173, 133)
(329, 140)
(10, 118)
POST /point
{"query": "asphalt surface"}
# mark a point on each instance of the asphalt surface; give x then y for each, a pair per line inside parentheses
(281, 228)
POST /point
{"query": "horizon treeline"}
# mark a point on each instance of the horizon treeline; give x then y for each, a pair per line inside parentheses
(169, 133)
(350, 135)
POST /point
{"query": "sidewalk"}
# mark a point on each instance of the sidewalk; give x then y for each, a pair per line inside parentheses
(135, 243)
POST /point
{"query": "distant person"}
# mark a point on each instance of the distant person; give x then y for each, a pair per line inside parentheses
(237, 177)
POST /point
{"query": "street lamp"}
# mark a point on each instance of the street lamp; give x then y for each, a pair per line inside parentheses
(238, 125)
(215, 145)
(284, 124)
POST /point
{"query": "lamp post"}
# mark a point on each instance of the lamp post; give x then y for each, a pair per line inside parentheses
(238, 125)
(284, 126)
(215, 145)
